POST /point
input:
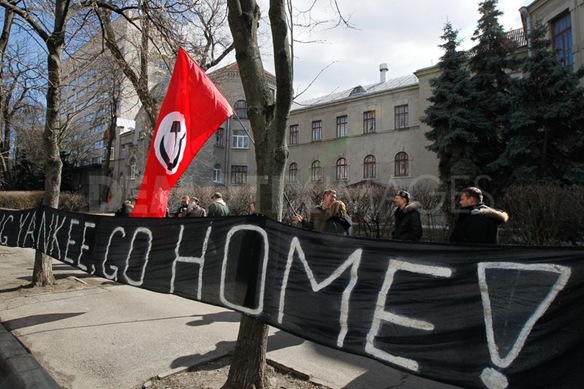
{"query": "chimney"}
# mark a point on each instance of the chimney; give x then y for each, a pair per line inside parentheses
(383, 69)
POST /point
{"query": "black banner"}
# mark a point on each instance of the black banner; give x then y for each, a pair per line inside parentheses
(472, 316)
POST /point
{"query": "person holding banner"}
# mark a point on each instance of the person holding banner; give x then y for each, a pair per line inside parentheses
(195, 210)
(477, 223)
(319, 215)
(339, 221)
(408, 224)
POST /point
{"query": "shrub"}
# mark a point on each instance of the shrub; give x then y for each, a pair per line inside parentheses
(544, 214)
(30, 199)
(20, 199)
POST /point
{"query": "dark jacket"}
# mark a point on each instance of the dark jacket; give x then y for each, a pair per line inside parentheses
(196, 211)
(408, 224)
(478, 224)
(318, 218)
(339, 225)
(124, 211)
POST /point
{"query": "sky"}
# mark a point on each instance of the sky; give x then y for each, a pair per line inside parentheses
(404, 34)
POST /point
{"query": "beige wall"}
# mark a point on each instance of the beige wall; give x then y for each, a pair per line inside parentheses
(547, 10)
(384, 144)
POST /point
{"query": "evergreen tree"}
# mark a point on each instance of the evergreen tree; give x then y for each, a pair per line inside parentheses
(450, 115)
(491, 59)
(546, 137)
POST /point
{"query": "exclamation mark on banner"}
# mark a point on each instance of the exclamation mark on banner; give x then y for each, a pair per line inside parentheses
(499, 282)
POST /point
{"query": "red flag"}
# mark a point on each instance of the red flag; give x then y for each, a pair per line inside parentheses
(191, 112)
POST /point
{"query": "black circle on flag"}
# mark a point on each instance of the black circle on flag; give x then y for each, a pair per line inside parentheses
(170, 141)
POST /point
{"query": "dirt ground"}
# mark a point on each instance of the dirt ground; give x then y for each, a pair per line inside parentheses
(213, 374)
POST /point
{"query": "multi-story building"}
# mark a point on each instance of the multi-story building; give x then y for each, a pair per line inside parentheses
(96, 97)
(234, 151)
(370, 133)
(226, 159)
(565, 22)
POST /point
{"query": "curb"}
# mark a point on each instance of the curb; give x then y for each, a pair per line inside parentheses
(18, 368)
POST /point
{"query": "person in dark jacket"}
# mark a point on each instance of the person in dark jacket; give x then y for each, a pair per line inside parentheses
(339, 221)
(408, 224)
(126, 208)
(320, 214)
(477, 223)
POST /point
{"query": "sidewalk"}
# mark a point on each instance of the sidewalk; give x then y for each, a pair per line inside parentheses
(89, 332)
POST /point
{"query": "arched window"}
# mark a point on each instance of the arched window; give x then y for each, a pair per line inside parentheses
(402, 164)
(316, 171)
(342, 168)
(293, 172)
(241, 109)
(369, 167)
(217, 173)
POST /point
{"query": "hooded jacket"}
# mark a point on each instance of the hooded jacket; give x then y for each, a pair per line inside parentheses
(339, 225)
(408, 224)
(478, 224)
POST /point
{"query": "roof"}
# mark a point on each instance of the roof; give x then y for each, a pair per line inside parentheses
(360, 91)
(234, 67)
(517, 36)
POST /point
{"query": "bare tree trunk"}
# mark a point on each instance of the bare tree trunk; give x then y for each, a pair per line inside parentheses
(268, 121)
(43, 273)
(248, 364)
(4, 37)
(110, 136)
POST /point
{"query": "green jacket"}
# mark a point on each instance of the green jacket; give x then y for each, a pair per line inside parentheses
(218, 208)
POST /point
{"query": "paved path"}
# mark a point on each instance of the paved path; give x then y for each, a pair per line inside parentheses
(89, 332)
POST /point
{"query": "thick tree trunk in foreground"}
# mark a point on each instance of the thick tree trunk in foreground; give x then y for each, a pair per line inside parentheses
(268, 121)
(249, 355)
(42, 274)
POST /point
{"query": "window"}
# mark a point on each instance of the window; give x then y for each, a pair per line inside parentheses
(219, 137)
(317, 130)
(368, 122)
(241, 109)
(342, 126)
(293, 172)
(401, 116)
(239, 174)
(342, 168)
(217, 173)
(293, 135)
(369, 167)
(316, 171)
(240, 140)
(402, 164)
(562, 40)
(133, 169)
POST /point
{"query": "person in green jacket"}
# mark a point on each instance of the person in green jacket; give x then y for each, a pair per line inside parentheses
(218, 206)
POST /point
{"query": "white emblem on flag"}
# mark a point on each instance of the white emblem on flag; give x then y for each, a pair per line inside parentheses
(170, 141)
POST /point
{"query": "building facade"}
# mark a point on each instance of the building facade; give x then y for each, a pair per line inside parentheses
(565, 22)
(99, 102)
(226, 159)
(368, 134)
